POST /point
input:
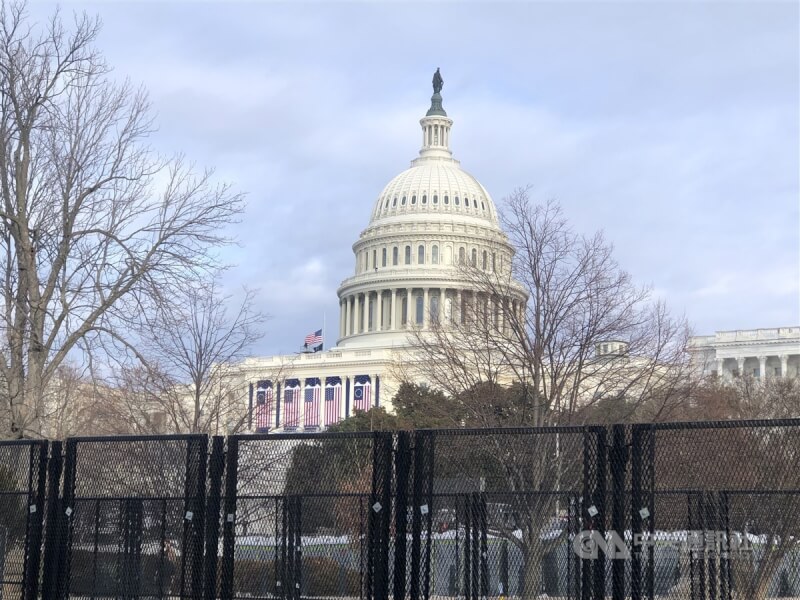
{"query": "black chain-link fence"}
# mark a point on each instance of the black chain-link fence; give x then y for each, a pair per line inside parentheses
(687, 511)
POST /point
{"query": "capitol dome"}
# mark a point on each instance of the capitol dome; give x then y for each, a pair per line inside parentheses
(427, 224)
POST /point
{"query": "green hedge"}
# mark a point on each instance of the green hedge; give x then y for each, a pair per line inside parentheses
(320, 577)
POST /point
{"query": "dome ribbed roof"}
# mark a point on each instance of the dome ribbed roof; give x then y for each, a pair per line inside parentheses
(435, 187)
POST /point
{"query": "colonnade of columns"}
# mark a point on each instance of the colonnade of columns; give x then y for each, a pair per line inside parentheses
(758, 366)
(396, 309)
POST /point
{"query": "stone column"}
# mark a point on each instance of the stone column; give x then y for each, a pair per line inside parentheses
(341, 318)
(720, 367)
(379, 311)
(762, 367)
(408, 307)
(426, 308)
(457, 311)
(740, 365)
(393, 310)
(784, 364)
(348, 307)
(365, 311)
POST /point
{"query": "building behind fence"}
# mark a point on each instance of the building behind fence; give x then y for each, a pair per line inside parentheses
(699, 510)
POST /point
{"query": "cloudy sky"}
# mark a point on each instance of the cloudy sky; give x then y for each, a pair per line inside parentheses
(672, 126)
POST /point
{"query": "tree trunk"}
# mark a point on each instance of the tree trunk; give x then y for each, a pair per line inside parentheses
(531, 570)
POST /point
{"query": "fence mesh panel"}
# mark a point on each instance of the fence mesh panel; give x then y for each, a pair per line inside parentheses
(22, 481)
(502, 508)
(724, 510)
(131, 518)
(307, 516)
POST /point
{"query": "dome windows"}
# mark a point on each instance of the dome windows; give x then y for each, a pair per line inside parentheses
(456, 200)
(466, 201)
(383, 257)
(435, 255)
(395, 253)
(408, 255)
(424, 198)
(386, 205)
(394, 202)
(483, 206)
(485, 260)
(403, 201)
(421, 255)
(446, 199)
(435, 199)
(414, 199)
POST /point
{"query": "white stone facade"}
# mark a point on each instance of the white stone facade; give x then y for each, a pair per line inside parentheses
(427, 221)
(753, 352)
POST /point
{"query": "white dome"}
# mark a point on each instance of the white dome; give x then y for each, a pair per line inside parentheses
(435, 187)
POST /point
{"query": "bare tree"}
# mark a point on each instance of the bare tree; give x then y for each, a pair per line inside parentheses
(184, 377)
(578, 333)
(92, 223)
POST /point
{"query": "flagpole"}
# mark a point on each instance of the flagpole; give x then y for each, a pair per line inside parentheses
(323, 330)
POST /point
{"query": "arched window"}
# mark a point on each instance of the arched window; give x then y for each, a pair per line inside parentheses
(366, 261)
(403, 201)
(456, 200)
(386, 204)
(485, 260)
(446, 199)
(435, 255)
(462, 256)
(474, 261)
(414, 199)
(383, 257)
(494, 262)
(434, 309)
(424, 198)
(435, 199)
(394, 202)
(420, 310)
(483, 206)
(371, 309)
(421, 255)
(374, 259)
(408, 255)
(395, 252)
(466, 201)
(404, 311)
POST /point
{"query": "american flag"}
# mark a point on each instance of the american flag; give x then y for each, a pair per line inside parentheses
(314, 339)
(291, 406)
(311, 411)
(333, 400)
(362, 396)
(263, 409)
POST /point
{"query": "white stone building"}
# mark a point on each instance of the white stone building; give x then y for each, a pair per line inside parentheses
(753, 352)
(427, 220)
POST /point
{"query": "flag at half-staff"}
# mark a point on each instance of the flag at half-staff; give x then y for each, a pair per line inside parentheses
(314, 341)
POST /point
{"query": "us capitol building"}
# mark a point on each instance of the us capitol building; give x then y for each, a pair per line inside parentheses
(427, 220)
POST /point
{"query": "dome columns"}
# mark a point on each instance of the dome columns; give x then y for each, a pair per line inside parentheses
(398, 309)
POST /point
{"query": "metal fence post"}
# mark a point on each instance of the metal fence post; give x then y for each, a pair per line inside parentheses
(229, 519)
(37, 481)
(599, 518)
(636, 515)
(401, 468)
(216, 468)
(619, 463)
(52, 537)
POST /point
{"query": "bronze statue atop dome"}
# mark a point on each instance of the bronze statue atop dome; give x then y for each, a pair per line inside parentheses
(438, 82)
